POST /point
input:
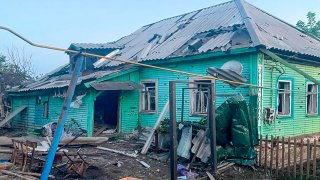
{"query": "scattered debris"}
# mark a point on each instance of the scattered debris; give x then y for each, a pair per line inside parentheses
(12, 115)
(21, 176)
(119, 152)
(130, 178)
(161, 117)
(118, 163)
(109, 131)
(7, 151)
(224, 166)
(143, 163)
(99, 131)
(83, 140)
(211, 177)
(163, 157)
(32, 174)
(6, 165)
(183, 171)
(77, 103)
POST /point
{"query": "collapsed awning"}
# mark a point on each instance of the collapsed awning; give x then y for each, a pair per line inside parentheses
(228, 75)
(108, 85)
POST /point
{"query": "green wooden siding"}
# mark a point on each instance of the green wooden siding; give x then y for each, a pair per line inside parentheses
(198, 67)
(299, 123)
(33, 118)
(130, 117)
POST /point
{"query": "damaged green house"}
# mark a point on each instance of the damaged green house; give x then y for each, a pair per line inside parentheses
(279, 63)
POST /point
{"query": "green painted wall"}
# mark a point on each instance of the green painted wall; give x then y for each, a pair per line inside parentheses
(128, 121)
(33, 118)
(130, 117)
(299, 123)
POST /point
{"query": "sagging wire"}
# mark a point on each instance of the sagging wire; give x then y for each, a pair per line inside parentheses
(132, 62)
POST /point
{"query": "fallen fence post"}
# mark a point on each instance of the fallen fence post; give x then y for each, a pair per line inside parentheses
(161, 117)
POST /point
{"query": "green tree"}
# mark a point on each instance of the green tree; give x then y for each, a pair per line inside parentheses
(15, 69)
(312, 26)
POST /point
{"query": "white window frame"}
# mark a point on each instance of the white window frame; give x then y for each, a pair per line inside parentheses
(192, 99)
(141, 103)
(309, 93)
(290, 105)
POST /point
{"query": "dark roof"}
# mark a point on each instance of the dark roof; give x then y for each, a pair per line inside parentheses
(230, 25)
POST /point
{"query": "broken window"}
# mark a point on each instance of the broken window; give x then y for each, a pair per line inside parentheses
(199, 97)
(148, 96)
(46, 109)
(284, 98)
(312, 99)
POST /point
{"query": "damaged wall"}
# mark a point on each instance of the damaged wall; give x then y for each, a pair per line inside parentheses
(249, 62)
(33, 118)
(298, 122)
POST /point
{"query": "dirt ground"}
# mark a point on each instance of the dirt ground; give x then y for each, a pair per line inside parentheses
(105, 165)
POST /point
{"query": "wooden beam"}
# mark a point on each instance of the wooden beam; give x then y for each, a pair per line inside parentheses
(161, 117)
(12, 115)
(289, 65)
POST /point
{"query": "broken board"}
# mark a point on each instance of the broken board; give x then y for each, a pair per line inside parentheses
(12, 115)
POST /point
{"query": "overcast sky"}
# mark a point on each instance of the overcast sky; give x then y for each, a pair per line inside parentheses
(60, 22)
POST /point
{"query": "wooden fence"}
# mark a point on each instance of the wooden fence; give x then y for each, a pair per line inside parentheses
(289, 157)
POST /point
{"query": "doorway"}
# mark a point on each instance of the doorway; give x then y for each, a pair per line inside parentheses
(106, 110)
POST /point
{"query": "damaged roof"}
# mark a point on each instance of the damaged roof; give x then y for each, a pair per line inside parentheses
(230, 25)
(53, 80)
(93, 46)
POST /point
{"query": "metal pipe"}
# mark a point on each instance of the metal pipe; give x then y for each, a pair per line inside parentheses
(62, 119)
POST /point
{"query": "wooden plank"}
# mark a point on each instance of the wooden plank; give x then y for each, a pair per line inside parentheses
(118, 152)
(314, 161)
(301, 158)
(271, 158)
(283, 150)
(277, 157)
(260, 150)
(149, 140)
(289, 157)
(99, 131)
(12, 115)
(294, 157)
(308, 158)
(265, 152)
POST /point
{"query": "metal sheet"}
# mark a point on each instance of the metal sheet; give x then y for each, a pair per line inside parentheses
(228, 75)
(126, 85)
(278, 34)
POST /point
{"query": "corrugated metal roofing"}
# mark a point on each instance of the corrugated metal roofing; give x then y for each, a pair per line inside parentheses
(89, 46)
(278, 34)
(64, 80)
(224, 20)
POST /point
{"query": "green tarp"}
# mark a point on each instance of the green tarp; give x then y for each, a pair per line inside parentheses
(234, 132)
